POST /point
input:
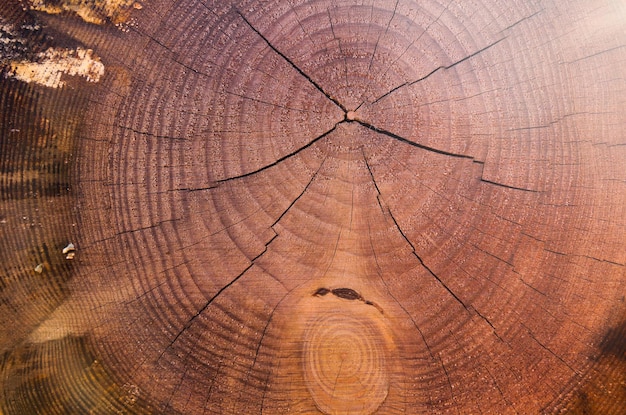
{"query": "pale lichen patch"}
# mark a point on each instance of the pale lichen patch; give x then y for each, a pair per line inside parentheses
(91, 11)
(49, 66)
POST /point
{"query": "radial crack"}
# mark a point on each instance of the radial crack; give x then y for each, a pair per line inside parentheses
(283, 158)
(521, 20)
(430, 352)
(299, 196)
(426, 267)
(506, 186)
(369, 169)
(264, 102)
(413, 143)
(293, 65)
(442, 67)
(217, 294)
(543, 346)
(345, 62)
(413, 246)
(258, 349)
(380, 35)
(495, 333)
(404, 52)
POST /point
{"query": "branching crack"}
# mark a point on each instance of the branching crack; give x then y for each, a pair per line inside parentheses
(292, 64)
(252, 263)
(378, 197)
(438, 151)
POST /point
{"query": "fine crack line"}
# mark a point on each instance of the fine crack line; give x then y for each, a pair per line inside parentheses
(421, 261)
(543, 346)
(506, 186)
(300, 24)
(495, 383)
(168, 404)
(345, 62)
(146, 133)
(261, 411)
(273, 104)
(145, 228)
(438, 151)
(221, 290)
(413, 143)
(299, 196)
(380, 34)
(369, 169)
(522, 20)
(337, 378)
(404, 52)
(595, 54)
(285, 157)
(293, 65)
(258, 349)
(448, 378)
(442, 67)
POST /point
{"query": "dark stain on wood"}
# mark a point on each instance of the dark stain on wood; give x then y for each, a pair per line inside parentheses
(614, 342)
(321, 292)
(347, 293)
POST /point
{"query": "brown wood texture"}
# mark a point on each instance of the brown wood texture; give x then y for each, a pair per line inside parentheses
(313, 206)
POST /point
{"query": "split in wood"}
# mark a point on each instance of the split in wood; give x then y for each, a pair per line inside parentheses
(346, 294)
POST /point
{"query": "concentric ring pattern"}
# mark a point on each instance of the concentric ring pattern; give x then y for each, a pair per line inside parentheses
(333, 206)
(344, 363)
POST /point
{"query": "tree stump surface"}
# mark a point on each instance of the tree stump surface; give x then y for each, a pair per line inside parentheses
(313, 207)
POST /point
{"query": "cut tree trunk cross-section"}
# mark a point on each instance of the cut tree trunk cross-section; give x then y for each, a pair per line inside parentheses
(312, 206)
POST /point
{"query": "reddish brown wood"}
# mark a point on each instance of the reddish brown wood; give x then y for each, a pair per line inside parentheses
(313, 207)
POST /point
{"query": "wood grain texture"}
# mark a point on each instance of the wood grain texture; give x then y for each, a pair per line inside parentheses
(338, 207)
